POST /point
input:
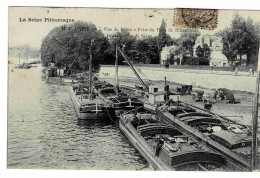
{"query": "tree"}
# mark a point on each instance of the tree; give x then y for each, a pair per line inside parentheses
(228, 48)
(203, 54)
(154, 55)
(185, 43)
(162, 37)
(71, 42)
(145, 50)
(199, 51)
(206, 51)
(169, 40)
(241, 38)
(123, 40)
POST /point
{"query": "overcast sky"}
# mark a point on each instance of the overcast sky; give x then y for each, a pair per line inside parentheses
(32, 33)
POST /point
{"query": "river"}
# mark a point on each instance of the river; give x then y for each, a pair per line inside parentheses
(44, 132)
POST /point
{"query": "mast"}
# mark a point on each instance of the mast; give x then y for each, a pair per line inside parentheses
(254, 150)
(135, 72)
(90, 70)
(116, 72)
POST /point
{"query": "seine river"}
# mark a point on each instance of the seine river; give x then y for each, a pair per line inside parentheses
(44, 132)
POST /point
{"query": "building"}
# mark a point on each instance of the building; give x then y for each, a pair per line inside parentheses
(217, 58)
(166, 54)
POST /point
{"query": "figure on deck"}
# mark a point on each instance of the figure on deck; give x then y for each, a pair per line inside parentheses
(158, 146)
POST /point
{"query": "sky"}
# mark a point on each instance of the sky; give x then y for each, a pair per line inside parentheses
(32, 33)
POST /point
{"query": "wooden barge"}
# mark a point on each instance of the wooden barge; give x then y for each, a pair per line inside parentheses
(165, 147)
(120, 101)
(86, 106)
(230, 139)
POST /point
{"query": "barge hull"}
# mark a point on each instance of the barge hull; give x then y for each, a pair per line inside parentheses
(86, 115)
(237, 163)
(143, 148)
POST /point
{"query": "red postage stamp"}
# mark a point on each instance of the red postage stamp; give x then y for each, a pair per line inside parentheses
(196, 18)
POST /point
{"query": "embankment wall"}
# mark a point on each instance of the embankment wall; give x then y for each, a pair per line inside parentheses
(207, 79)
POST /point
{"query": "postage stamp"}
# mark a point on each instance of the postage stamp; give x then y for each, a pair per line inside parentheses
(196, 18)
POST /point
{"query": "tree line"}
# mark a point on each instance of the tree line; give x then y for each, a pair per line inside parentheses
(69, 45)
(241, 38)
(24, 51)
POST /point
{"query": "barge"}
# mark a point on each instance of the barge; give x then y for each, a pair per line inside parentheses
(223, 135)
(165, 147)
(86, 106)
(118, 101)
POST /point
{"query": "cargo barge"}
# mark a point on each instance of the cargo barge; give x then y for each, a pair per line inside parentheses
(86, 107)
(230, 139)
(165, 147)
(118, 101)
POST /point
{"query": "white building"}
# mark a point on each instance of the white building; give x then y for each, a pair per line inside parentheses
(217, 58)
(166, 53)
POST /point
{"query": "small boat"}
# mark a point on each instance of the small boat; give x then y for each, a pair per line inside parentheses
(19, 66)
(23, 66)
(27, 66)
(86, 107)
(165, 147)
(220, 133)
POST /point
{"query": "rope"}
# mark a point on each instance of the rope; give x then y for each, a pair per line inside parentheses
(221, 120)
(116, 99)
(109, 116)
(165, 104)
(242, 120)
(133, 110)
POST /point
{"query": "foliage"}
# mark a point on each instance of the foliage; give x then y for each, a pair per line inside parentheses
(241, 38)
(199, 51)
(125, 41)
(185, 44)
(146, 50)
(137, 50)
(195, 61)
(162, 36)
(71, 43)
(203, 52)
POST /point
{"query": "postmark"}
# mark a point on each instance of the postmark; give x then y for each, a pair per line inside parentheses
(206, 19)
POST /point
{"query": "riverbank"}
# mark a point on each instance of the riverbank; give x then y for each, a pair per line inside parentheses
(199, 78)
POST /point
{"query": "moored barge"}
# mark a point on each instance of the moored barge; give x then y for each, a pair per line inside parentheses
(118, 101)
(86, 106)
(231, 139)
(165, 147)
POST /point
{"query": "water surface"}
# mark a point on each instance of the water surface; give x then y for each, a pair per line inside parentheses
(44, 132)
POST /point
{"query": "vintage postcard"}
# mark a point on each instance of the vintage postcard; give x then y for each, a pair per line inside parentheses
(133, 89)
